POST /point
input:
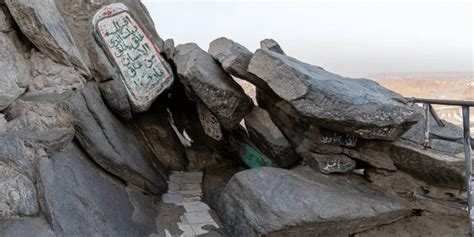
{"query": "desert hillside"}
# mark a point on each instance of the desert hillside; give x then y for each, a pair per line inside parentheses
(452, 86)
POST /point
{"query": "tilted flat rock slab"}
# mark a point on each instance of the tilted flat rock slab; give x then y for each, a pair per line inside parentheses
(44, 25)
(432, 166)
(234, 59)
(80, 199)
(277, 202)
(268, 138)
(205, 81)
(144, 72)
(356, 106)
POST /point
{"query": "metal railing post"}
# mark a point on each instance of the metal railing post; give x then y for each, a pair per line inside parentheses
(467, 159)
(427, 142)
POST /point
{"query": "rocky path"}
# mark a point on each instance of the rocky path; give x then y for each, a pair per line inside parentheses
(183, 213)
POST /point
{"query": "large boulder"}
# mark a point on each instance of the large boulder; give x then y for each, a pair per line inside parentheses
(262, 202)
(268, 138)
(234, 59)
(206, 82)
(44, 25)
(356, 106)
(111, 143)
(80, 199)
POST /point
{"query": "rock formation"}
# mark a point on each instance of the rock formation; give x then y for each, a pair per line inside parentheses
(96, 112)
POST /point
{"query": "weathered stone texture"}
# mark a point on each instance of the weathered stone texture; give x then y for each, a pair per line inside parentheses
(234, 59)
(49, 77)
(328, 164)
(206, 82)
(271, 45)
(261, 202)
(41, 125)
(17, 193)
(110, 143)
(80, 199)
(268, 138)
(44, 25)
(15, 74)
(356, 106)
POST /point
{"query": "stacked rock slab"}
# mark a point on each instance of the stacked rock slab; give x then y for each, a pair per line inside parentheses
(261, 202)
(206, 82)
(355, 106)
(234, 59)
(269, 139)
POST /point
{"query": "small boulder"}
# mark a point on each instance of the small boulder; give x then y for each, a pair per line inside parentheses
(234, 59)
(272, 45)
(206, 82)
(115, 96)
(169, 49)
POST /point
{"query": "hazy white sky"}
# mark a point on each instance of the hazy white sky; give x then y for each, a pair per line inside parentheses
(351, 38)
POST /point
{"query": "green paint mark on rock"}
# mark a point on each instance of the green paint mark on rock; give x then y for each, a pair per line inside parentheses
(254, 159)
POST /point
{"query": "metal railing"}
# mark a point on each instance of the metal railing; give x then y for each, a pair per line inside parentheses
(466, 140)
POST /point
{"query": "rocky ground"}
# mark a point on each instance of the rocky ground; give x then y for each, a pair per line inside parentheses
(108, 130)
